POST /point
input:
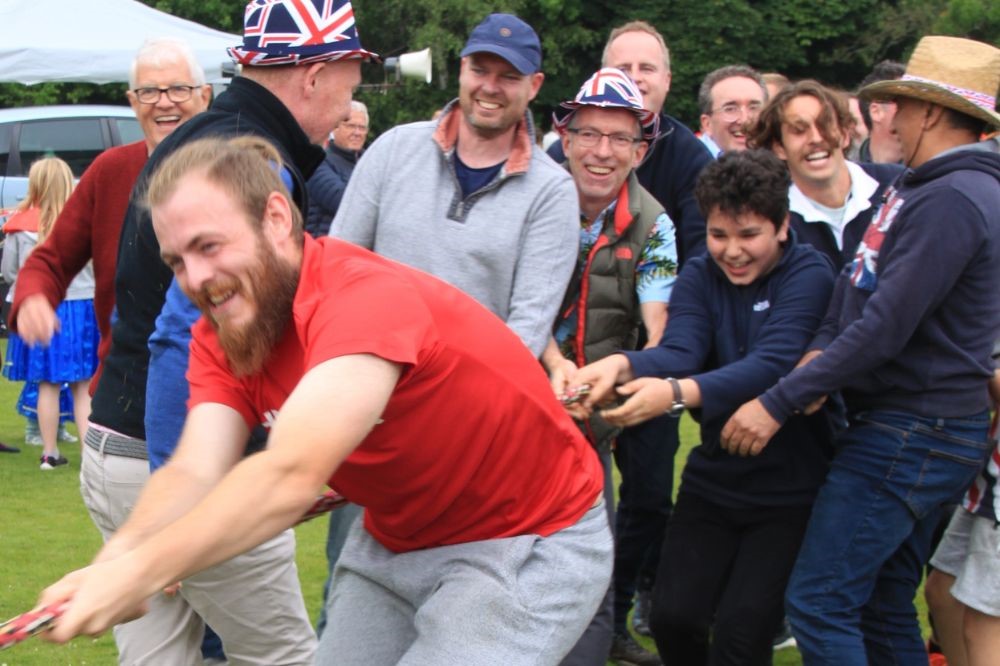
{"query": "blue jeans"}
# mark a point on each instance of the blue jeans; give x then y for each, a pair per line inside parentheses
(850, 597)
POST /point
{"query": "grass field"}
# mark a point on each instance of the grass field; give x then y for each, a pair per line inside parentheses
(45, 531)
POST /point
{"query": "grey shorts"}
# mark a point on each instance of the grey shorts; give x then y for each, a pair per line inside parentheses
(970, 551)
(513, 601)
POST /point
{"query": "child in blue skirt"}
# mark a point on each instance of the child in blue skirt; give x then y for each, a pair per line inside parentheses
(72, 355)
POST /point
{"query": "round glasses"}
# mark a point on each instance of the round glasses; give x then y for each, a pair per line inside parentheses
(732, 111)
(175, 94)
(589, 138)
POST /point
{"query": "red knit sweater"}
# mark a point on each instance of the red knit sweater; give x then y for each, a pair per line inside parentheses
(88, 228)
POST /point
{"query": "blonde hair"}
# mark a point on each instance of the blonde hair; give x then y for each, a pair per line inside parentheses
(246, 167)
(50, 182)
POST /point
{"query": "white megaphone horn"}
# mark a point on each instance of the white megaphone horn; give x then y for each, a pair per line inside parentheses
(416, 65)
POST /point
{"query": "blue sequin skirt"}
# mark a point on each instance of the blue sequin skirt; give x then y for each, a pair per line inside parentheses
(72, 355)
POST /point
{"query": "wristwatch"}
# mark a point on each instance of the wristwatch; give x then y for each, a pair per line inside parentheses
(677, 406)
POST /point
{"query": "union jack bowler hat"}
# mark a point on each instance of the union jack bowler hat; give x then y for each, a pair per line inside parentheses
(510, 38)
(299, 32)
(609, 88)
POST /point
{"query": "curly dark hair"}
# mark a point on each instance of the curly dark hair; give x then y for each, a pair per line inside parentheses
(753, 181)
(835, 119)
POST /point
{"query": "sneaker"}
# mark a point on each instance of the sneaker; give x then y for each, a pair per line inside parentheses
(65, 436)
(51, 462)
(640, 615)
(32, 435)
(626, 651)
(784, 639)
(8, 449)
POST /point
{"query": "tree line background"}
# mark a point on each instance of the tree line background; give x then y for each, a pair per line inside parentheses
(835, 41)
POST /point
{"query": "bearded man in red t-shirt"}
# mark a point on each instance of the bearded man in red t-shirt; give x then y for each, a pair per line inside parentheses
(484, 538)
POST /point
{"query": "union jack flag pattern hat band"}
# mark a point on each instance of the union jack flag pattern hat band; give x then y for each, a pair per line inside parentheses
(609, 88)
(299, 32)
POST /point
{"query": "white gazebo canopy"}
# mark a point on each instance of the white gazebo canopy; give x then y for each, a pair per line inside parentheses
(93, 40)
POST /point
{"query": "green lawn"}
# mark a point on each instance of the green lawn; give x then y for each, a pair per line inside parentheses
(46, 532)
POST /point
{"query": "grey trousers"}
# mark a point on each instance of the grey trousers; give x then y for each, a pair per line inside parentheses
(519, 600)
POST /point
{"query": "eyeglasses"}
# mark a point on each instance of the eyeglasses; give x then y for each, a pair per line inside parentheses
(354, 127)
(589, 138)
(175, 94)
(731, 111)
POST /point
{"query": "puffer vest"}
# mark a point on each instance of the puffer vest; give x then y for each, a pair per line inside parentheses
(604, 291)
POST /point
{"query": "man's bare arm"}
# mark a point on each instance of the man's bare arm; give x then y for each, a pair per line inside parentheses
(654, 318)
(330, 412)
(195, 468)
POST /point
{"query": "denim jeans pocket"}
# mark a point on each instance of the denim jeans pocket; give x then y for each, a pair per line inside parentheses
(927, 461)
(953, 456)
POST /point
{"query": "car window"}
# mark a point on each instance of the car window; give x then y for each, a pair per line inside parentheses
(128, 129)
(4, 148)
(76, 140)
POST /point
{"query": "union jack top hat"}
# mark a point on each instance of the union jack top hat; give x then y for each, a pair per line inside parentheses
(298, 32)
(608, 88)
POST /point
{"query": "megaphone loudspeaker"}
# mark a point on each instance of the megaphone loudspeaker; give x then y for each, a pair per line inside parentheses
(416, 65)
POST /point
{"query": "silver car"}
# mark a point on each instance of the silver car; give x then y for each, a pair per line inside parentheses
(77, 134)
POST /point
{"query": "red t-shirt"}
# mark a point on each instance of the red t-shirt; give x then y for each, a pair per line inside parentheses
(472, 445)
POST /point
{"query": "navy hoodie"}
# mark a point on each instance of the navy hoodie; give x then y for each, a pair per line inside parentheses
(736, 341)
(912, 321)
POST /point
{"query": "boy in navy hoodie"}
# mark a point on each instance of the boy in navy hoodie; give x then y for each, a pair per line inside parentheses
(907, 340)
(740, 318)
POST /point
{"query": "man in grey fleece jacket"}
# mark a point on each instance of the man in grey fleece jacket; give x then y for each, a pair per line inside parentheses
(471, 199)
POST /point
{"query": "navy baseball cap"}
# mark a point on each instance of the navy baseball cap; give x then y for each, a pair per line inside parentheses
(510, 38)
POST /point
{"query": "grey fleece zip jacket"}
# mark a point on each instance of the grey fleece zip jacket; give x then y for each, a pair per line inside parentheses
(512, 245)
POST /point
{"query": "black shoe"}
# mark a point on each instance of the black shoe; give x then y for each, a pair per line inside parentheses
(51, 462)
(4, 448)
(784, 639)
(640, 614)
(626, 651)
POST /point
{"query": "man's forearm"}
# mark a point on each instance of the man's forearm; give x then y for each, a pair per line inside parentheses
(551, 357)
(258, 500)
(654, 318)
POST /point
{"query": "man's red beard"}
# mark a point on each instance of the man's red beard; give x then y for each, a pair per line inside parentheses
(273, 283)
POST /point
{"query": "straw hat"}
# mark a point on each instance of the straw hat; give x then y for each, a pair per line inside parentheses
(959, 74)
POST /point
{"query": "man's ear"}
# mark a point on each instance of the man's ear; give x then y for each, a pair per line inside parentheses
(310, 78)
(536, 84)
(933, 115)
(779, 151)
(705, 120)
(783, 229)
(133, 101)
(205, 92)
(640, 152)
(278, 219)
